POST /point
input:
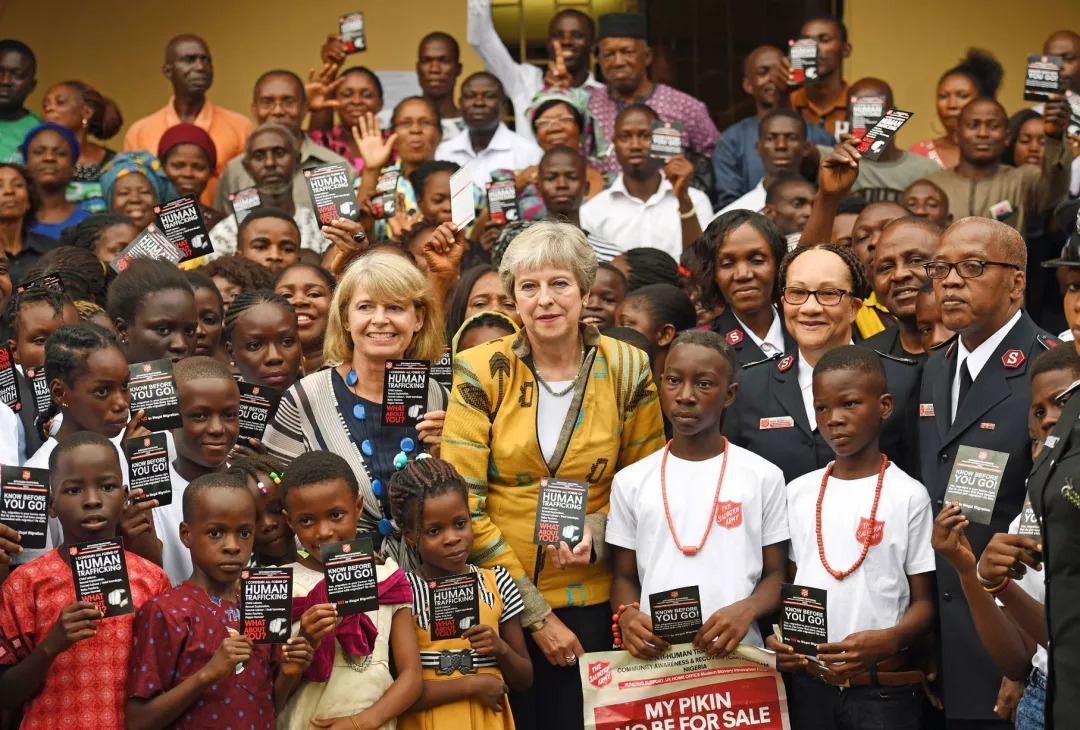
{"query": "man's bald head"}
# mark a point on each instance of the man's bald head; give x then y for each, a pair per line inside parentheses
(871, 86)
(177, 42)
(762, 76)
(1066, 43)
(188, 66)
(1003, 242)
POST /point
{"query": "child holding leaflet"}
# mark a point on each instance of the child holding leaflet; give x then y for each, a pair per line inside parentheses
(860, 530)
(430, 502)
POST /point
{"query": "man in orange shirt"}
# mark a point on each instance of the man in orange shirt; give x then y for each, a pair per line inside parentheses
(825, 102)
(190, 69)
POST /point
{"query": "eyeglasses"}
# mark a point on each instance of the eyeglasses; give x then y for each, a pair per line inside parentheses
(406, 124)
(561, 121)
(824, 297)
(966, 269)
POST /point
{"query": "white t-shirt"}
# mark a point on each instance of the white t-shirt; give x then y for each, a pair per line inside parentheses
(1033, 584)
(175, 558)
(751, 515)
(876, 595)
(9, 436)
(551, 413)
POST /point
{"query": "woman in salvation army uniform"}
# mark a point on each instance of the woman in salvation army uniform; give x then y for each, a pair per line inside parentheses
(822, 288)
(735, 263)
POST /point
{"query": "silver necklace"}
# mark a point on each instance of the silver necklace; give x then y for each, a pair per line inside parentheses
(567, 389)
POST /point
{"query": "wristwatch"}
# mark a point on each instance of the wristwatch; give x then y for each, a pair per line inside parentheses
(534, 627)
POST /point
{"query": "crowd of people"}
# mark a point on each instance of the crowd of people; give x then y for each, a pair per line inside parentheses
(843, 332)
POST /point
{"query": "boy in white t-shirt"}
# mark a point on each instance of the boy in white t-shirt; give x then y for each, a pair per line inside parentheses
(699, 513)
(860, 530)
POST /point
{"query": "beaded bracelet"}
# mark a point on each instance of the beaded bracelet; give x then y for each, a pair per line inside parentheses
(616, 632)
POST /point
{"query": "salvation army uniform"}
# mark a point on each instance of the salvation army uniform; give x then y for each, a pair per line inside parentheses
(721, 531)
(748, 347)
(1054, 499)
(773, 414)
(993, 416)
(876, 595)
(888, 341)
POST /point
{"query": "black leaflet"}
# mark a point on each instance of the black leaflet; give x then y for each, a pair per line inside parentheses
(257, 406)
(101, 578)
(148, 467)
(153, 389)
(502, 199)
(666, 140)
(974, 481)
(266, 604)
(351, 583)
(455, 605)
(9, 385)
(676, 614)
(151, 243)
(804, 61)
(1043, 77)
(40, 386)
(352, 32)
(803, 618)
(242, 201)
(880, 135)
(182, 223)
(25, 498)
(560, 512)
(331, 192)
(404, 392)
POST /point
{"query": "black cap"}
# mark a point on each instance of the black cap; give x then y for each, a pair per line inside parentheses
(622, 25)
(1067, 217)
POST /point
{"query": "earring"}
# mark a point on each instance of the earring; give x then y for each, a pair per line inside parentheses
(85, 123)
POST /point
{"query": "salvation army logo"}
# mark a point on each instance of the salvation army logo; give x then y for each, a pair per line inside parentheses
(73, 551)
(983, 455)
(600, 674)
(389, 365)
(146, 368)
(245, 574)
(804, 592)
(729, 514)
(865, 532)
(26, 474)
(346, 548)
(255, 390)
(146, 442)
(734, 337)
(431, 584)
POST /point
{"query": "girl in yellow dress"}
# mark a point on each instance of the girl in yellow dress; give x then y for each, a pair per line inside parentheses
(465, 679)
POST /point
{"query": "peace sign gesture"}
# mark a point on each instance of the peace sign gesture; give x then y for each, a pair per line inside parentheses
(556, 74)
(370, 143)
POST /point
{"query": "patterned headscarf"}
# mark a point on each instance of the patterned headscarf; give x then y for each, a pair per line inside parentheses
(593, 143)
(139, 161)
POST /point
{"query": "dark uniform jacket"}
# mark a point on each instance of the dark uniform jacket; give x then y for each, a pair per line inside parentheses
(746, 350)
(768, 416)
(992, 416)
(1052, 486)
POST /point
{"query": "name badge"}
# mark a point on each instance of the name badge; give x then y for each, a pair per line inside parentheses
(776, 422)
(1002, 210)
(1050, 442)
(926, 410)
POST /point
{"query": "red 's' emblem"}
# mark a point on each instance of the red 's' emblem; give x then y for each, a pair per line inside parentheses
(146, 442)
(26, 474)
(600, 674)
(785, 364)
(255, 390)
(245, 574)
(346, 548)
(1012, 359)
(734, 337)
(729, 514)
(865, 532)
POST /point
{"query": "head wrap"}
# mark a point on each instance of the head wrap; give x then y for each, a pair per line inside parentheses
(622, 25)
(188, 134)
(465, 325)
(139, 161)
(66, 133)
(592, 136)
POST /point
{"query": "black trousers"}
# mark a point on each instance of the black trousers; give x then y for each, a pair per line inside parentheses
(554, 700)
(815, 705)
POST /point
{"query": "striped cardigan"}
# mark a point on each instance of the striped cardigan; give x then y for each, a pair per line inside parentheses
(308, 418)
(490, 437)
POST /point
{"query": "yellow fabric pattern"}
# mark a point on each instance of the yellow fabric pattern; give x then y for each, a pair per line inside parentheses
(867, 320)
(490, 437)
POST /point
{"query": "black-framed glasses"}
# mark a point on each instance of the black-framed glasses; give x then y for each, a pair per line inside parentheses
(825, 297)
(966, 269)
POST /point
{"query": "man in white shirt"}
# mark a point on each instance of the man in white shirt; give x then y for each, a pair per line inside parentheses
(651, 203)
(487, 143)
(575, 33)
(781, 145)
(701, 513)
(860, 531)
(975, 393)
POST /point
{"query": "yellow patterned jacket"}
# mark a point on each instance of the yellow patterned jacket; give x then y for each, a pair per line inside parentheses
(490, 437)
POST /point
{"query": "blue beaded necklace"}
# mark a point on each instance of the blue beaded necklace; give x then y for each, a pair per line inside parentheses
(367, 448)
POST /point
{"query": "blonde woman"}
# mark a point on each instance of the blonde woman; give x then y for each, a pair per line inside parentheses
(557, 399)
(382, 310)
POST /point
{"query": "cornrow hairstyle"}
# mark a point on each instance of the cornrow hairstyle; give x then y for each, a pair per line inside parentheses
(420, 479)
(83, 274)
(706, 248)
(651, 266)
(713, 341)
(89, 310)
(87, 232)
(854, 358)
(421, 174)
(33, 198)
(246, 300)
(315, 467)
(66, 353)
(430, 105)
(255, 466)
(458, 301)
(985, 71)
(667, 304)
(856, 271)
(33, 296)
(139, 280)
(245, 273)
(1057, 358)
(210, 482)
(326, 276)
(74, 441)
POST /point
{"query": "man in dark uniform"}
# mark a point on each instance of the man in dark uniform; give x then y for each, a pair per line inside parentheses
(1052, 488)
(975, 392)
(771, 415)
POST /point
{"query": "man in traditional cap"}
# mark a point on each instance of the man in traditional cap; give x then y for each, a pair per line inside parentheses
(624, 55)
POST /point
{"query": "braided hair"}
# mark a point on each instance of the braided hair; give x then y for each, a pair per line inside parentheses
(420, 479)
(651, 266)
(856, 270)
(67, 351)
(83, 274)
(15, 305)
(245, 300)
(253, 467)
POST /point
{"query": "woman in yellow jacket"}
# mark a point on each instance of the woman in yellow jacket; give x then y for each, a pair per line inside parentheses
(558, 400)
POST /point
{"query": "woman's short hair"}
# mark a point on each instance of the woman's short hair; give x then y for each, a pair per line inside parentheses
(548, 243)
(384, 278)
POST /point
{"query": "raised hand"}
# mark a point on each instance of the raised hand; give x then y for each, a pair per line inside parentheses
(375, 150)
(320, 88)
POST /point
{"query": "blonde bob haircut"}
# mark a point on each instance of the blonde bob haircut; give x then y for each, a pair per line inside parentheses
(547, 243)
(386, 277)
